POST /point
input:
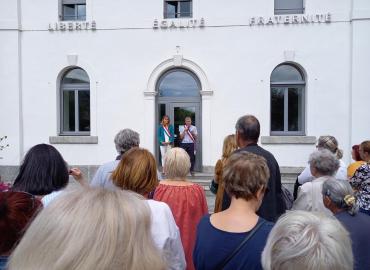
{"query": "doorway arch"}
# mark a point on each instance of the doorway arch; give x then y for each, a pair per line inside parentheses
(178, 96)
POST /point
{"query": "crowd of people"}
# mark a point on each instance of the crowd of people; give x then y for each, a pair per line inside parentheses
(132, 216)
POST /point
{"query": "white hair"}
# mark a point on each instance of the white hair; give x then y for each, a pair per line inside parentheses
(324, 162)
(90, 229)
(177, 163)
(307, 240)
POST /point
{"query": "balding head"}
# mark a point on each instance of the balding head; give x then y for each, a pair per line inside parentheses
(248, 128)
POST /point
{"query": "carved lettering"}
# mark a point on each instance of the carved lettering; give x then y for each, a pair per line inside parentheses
(261, 21)
(155, 24)
(270, 21)
(252, 21)
(62, 26)
(286, 19)
(93, 25)
(328, 17)
(277, 19)
(173, 25)
(164, 24)
(202, 22)
(295, 19)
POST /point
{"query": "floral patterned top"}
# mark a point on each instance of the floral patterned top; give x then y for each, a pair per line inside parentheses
(361, 182)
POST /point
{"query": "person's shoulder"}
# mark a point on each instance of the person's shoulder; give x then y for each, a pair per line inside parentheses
(267, 225)
(109, 165)
(158, 206)
(306, 187)
(205, 221)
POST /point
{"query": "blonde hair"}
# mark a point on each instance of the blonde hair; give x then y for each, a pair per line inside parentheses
(90, 229)
(244, 174)
(307, 240)
(177, 163)
(137, 171)
(229, 146)
(163, 117)
(330, 143)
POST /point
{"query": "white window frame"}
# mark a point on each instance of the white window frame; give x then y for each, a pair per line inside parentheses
(75, 87)
(286, 85)
(70, 2)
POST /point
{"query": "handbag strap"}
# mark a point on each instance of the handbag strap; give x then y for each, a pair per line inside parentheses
(221, 265)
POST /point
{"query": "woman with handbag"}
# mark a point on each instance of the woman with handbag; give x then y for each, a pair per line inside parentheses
(165, 136)
(234, 238)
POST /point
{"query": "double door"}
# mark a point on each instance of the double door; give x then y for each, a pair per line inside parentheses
(177, 113)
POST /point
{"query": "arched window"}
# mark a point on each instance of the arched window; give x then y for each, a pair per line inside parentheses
(75, 103)
(179, 83)
(287, 100)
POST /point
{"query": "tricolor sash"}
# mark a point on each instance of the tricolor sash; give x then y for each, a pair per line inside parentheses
(167, 131)
(190, 135)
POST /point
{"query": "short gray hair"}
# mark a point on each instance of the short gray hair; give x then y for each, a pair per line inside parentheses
(126, 139)
(307, 240)
(324, 162)
(341, 194)
(176, 163)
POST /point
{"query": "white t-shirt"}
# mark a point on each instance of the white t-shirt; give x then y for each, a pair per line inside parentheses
(187, 139)
(166, 235)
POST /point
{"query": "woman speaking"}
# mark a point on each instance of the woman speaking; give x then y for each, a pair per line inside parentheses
(165, 136)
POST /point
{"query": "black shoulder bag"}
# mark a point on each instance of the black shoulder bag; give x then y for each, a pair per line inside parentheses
(221, 265)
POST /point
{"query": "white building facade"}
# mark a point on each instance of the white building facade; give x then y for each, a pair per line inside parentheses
(73, 73)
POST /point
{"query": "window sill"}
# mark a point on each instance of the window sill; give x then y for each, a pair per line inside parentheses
(288, 139)
(73, 139)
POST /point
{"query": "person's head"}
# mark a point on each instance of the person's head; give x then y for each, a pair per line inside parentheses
(245, 176)
(330, 143)
(356, 153)
(365, 150)
(247, 129)
(126, 139)
(229, 146)
(188, 120)
(165, 120)
(89, 229)
(177, 163)
(307, 240)
(17, 210)
(43, 171)
(323, 163)
(338, 196)
(137, 171)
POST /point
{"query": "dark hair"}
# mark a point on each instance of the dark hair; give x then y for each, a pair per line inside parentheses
(244, 174)
(43, 171)
(16, 211)
(356, 151)
(248, 127)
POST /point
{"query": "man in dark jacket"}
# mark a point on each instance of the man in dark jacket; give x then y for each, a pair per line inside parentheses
(247, 134)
